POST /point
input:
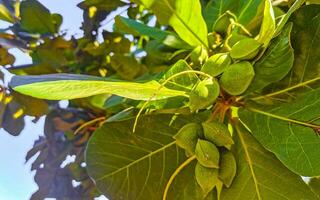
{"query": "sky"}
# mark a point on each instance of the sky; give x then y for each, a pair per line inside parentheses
(16, 179)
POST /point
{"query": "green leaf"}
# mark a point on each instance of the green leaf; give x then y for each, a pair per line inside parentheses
(204, 94)
(127, 166)
(215, 9)
(207, 154)
(268, 24)
(248, 11)
(261, 176)
(183, 15)
(228, 168)
(187, 137)
(216, 64)
(275, 63)
(217, 133)
(305, 71)
(5, 14)
(297, 4)
(237, 78)
(245, 49)
(314, 184)
(207, 178)
(70, 86)
(289, 132)
(183, 82)
(36, 18)
(306, 30)
(125, 25)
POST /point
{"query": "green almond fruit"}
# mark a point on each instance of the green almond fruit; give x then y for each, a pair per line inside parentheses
(207, 178)
(216, 64)
(237, 77)
(187, 137)
(245, 49)
(207, 154)
(221, 26)
(228, 168)
(217, 133)
(204, 94)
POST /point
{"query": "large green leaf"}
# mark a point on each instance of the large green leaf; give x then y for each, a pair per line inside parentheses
(276, 62)
(184, 16)
(306, 34)
(128, 165)
(305, 39)
(69, 86)
(260, 175)
(288, 130)
(36, 18)
(135, 28)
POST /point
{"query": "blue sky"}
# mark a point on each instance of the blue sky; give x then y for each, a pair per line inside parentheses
(16, 180)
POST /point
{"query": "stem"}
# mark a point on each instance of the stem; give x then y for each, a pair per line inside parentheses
(287, 89)
(88, 123)
(314, 126)
(174, 175)
(160, 87)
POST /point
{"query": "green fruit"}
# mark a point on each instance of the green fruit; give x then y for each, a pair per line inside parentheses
(216, 64)
(187, 137)
(221, 26)
(207, 154)
(207, 178)
(237, 77)
(204, 94)
(245, 49)
(228, 168)
(217, 133)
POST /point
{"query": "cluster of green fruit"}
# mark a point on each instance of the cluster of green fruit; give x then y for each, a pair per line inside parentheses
(210, 143)
(234, 71)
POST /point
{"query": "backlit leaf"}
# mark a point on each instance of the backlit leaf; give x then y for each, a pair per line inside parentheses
(184, 16)
(135, 28)
(68, 86)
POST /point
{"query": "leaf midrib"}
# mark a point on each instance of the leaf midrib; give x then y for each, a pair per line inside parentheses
(136, 161)
(250, 163)
(183, 22)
